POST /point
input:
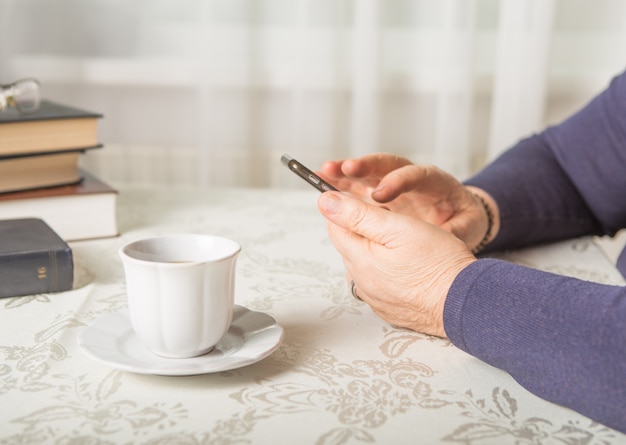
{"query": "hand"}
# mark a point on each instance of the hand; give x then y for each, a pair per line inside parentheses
(425, 192)
(403, 267)
(361, 177)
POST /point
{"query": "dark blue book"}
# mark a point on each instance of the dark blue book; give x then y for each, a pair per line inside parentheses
(33, 259)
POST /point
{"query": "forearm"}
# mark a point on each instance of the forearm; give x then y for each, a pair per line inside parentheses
(551, 333)
(567, 181)
(535, 200)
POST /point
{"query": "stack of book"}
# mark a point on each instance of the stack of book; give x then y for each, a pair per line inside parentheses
(40, 175)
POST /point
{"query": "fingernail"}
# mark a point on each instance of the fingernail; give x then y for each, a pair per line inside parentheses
(378, 189)
(330, 202)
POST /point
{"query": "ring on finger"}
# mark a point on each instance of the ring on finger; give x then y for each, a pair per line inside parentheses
(353, 290)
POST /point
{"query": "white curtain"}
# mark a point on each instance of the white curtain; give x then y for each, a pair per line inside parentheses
(212, 92)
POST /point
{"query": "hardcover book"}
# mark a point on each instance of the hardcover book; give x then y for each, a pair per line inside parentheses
(52, 127)
(84, 210)
(25, 172)
(33, 259)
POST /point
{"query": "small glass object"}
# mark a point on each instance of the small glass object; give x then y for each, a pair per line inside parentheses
(22, 94)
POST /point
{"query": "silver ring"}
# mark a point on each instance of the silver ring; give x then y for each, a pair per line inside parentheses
(353, 290)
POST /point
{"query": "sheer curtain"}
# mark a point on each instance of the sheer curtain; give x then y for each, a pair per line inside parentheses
(212, 92)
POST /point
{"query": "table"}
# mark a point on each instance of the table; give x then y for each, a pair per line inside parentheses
(341, 375)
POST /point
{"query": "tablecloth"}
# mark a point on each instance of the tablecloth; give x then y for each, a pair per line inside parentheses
(341, 376)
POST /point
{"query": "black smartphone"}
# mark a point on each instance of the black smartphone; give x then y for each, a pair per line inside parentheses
(306, 174)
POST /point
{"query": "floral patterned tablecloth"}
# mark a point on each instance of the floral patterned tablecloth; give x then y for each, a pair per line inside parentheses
(341, 376)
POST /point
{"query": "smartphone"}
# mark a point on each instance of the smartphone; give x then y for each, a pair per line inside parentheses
(306, 174)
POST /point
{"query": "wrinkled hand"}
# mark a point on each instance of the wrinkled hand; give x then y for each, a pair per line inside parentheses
(425, 192)
(403, 267)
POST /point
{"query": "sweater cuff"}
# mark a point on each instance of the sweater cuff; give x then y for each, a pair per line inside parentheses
(457, 297)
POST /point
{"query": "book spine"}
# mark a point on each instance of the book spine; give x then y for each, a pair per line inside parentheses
(38, 272)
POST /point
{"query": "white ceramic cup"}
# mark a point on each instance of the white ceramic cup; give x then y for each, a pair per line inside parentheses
(181, 291)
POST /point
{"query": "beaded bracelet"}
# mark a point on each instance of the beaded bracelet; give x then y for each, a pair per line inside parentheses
(481, 245)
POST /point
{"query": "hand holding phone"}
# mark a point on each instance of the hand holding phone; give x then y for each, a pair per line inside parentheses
(306, 174)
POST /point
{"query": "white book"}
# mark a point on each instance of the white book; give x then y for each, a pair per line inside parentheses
(85, 210)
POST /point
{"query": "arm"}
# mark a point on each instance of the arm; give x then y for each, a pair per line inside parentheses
(561, 338)
(567, 181)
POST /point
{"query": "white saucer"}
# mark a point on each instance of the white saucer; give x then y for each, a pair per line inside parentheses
(252, 336)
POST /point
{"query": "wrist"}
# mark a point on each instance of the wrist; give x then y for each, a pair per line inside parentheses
(491, 217)
(441, 289)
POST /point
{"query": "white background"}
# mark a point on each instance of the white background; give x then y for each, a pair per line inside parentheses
(212, 92)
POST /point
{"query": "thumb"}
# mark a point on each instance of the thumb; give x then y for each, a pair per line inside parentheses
(357, 216)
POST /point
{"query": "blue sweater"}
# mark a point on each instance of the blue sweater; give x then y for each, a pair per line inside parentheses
(562, 338)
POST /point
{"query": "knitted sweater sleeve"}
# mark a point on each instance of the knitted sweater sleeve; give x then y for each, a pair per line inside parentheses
(568, 181)
(561, 338)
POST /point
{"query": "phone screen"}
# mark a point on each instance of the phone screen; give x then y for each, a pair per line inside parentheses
(306, 174)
